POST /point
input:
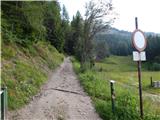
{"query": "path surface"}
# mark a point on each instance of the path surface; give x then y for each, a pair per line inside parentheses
(61, 98)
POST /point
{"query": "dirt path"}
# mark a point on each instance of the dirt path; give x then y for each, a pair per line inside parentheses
(61, 98)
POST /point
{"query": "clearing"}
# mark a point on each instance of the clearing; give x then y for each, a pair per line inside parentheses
(61, 98)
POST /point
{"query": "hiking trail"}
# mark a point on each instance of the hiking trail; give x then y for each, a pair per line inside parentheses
(60, 98)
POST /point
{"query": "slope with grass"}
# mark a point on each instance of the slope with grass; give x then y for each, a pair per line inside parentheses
(25, 69)
(124, 71)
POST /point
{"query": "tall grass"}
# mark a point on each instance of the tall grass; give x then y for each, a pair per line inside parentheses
(123, 71)
(25, 69)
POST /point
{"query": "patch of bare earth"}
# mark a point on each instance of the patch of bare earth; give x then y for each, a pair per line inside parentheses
(61, 98)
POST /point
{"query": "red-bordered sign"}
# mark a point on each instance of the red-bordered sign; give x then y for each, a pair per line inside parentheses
(138, 40)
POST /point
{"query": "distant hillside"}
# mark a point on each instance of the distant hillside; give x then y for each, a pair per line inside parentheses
(125, 33)
(118, 41)
(116, 31)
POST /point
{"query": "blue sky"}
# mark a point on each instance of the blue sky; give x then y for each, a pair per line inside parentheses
(147, 12)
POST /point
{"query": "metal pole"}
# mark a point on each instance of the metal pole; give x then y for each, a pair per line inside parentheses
(151, 81)
(136, 22)
(139, 78)
(140, 89)
(112, 96)
(4, 103)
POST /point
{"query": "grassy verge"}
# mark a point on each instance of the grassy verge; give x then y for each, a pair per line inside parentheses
(25, 69)
(123, 70)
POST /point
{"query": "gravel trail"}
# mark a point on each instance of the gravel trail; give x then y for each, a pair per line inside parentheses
(61, 98)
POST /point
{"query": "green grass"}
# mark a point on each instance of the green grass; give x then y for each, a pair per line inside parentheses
(25, 69)
(124, 71)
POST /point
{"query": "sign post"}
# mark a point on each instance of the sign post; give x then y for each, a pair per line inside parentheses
(139, 42)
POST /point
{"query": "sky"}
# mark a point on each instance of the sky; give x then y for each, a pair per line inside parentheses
(147, 12)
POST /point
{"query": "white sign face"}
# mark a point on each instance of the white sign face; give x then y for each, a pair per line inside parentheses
(136, 56)
(139, 40)
(143, 56)
(139, 56)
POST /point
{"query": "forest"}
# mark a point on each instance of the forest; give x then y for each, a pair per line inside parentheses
(29, 22)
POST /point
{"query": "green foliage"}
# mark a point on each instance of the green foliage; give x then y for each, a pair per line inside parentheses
(103, 107)
(123, 71)
(52, 22)
(127, 107)
(28, 22)
(22, 80)
(119, 42)
(48, 53)
(153, 66)
(15, 22)
(74, 44)
(24, 70)
(27, 80)
(157, 59)
(26, 59)
(66, 30)
(153, 47)
(102, 50)
(8, 52)
(81, 43)
(35, 18)
(13, 15)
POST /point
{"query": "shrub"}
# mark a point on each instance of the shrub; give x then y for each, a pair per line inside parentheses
(126, 107)
(156, 66)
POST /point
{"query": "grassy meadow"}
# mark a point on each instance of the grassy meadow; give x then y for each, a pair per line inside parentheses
(124, 71)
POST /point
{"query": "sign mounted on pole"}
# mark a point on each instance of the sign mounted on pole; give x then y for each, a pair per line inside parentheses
(139, 56)
(138, 40)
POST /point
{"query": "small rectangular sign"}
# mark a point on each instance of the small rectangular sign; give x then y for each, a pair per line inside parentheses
(139, 56)
(136, 56)
(143, 56)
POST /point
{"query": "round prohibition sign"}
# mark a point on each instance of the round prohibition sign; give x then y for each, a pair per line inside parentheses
(138, 40)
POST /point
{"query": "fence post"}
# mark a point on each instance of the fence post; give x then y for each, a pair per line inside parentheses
(151, 81)
(3, 103)
(112, 95)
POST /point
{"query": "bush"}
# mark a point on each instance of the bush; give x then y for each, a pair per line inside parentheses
(156, 66)
(104, 109)
(126, 107)
(157, 59)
